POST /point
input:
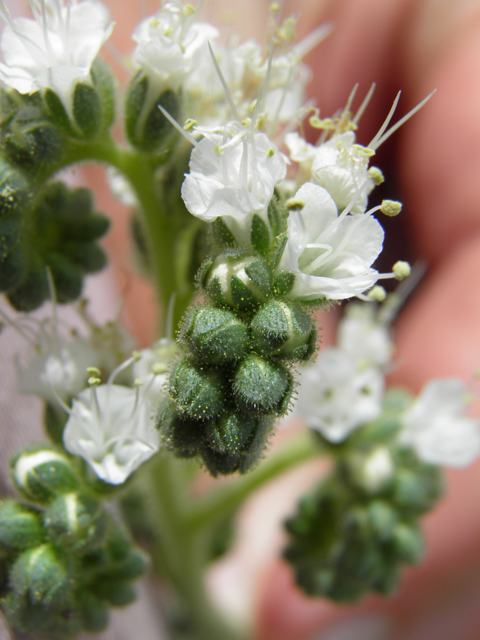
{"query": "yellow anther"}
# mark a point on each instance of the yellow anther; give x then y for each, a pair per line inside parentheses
(364, 151)
(93, 371)
(274, 6)
(376, 175)
(189, 124)
(188, 9)
(391, 208)
(137, 382)
(136, 355)
(94, 382)
(295, 204)
(158, 368)
(218, 149)
(317, 123)
(270, 152)
(377, 293)
(401, 270)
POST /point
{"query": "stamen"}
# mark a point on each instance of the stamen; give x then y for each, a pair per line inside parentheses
(169, 323)
(172, 121)
(121, 368)
(18, 329)
(228, 95)
(403, 120)
(386, 123)
(364, 104)
(45, 31)
(313, 39)
(59, 400)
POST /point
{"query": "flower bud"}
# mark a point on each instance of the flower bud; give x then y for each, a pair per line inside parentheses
(32, 141)
(41, 473)
(94, 614)
(197, 391)
(76, 521)
(13, 257)
(283, 330)
(41, 575)
(408, 542)
(216, 336)
(179, 433)
(15, 190)
(261, 386)
(416, 488)
(20, 527)
(146, 126)
(118, 593)
(238, 280)
(231, 432)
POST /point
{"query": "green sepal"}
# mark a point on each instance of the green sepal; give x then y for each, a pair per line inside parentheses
(58, 113)
(145, 125)
(277, 216)
(261, 386)
(260, 236)
(278, 248)
(87, 109)
(20, 527)
(283, 283)
(104, 83)
(222, 234)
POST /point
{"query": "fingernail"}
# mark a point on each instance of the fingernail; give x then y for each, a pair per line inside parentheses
(368, 626)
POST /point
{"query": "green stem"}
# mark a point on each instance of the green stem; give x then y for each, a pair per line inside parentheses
(225, 500)
(184, 553)
(139, 170)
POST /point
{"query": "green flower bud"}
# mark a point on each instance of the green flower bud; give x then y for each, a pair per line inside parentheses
(117, 593)
(230, 433)
(222, 464)
(133, 565)
(408, 542)
(416, 489)
(32, 141)
(382, 519)
(41, 473)
(216, 336)
(20, 527)
(30, 293)
(262, 386)
(76, 521)
(13, 258)
(180, 434)
(94, 613)
(41, 575)
(146, 126)
(198, 391)
(15, 190)
(283, 330)
(237, 279)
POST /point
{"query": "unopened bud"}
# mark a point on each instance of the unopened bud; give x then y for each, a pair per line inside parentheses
(261, 386)
(20, 527)
(42, 473)
(197, 391)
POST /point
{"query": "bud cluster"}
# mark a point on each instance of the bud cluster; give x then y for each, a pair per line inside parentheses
(355, 532)
(63, 559)
(59, 231)
(237, 377)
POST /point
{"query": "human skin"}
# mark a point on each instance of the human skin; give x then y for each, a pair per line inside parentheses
(415, 45)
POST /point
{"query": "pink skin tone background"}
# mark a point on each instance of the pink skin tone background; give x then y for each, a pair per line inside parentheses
(415, 45)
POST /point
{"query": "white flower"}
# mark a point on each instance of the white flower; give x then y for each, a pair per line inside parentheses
(60, 369)
(363, 338)
(152, 369)
(111, 428)
(233, 173)
(56, 49)
(330, 255)
(169, 43)
(341, 167)
(436, 427)
(335, 398)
